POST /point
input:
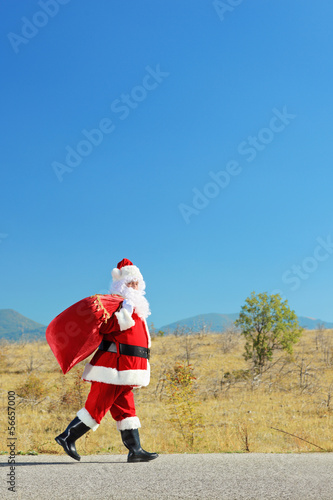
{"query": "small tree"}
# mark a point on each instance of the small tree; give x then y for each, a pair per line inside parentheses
(182, 401)
(267, 324)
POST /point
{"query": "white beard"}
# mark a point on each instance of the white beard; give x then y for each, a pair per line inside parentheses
(137, 297)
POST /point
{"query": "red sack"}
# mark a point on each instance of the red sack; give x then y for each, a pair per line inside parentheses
(74, 334)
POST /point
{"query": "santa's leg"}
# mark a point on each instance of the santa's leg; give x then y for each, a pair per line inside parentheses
(131, 440)
(123, 411)
(99, 401)
(67, 439)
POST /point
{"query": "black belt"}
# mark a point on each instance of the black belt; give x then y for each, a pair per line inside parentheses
(127, 350)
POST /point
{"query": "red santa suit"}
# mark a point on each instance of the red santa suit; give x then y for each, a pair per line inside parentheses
(113, 373)
(115, 323)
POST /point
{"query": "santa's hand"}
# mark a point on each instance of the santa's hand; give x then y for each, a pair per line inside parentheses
(124, 316)
(129, 306)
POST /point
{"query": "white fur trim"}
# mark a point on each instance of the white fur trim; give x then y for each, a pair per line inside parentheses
(112, 376)
(116, 274)
(148, 334)
(128, 423)
(127, 273)
(124, 318)
(87, 419)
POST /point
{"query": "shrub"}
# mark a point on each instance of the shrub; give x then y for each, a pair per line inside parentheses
(32, 391)
(181, 401)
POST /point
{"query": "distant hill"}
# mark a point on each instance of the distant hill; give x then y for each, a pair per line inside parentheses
(214, 322)
(14, 326)
(312, 323)
(217, 322)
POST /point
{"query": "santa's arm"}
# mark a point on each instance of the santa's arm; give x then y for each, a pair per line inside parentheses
(121, 320)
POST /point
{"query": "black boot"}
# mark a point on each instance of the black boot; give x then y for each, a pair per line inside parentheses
(67, 439)
(131, 440)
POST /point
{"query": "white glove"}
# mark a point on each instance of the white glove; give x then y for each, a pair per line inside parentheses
(128, 306)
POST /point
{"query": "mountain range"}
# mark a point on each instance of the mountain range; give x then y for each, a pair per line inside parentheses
(217, 322)
(15, 327)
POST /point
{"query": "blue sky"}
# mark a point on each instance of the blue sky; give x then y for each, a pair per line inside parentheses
(194, 139)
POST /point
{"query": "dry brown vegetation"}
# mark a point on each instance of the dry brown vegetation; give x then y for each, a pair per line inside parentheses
(234, 409)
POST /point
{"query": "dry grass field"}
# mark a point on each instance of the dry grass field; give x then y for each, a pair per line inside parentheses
(228, 409)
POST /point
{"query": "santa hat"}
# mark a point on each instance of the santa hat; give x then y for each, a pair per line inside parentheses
(126, 271)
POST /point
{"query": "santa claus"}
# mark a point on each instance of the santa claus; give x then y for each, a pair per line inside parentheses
(120, 363)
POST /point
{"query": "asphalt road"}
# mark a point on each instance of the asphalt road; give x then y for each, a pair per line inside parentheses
(211, 476)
